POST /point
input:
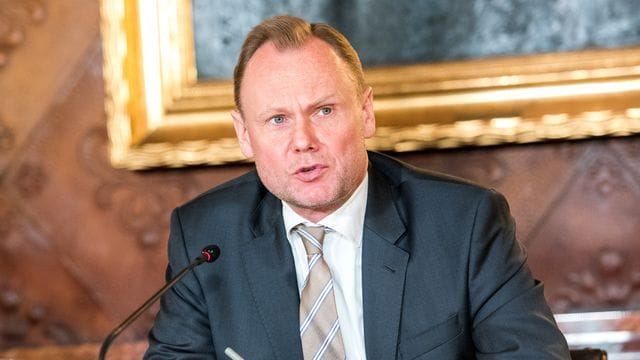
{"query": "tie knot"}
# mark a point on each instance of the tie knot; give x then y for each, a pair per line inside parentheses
(312, 237)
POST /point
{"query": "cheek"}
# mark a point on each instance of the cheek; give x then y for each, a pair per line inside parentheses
(347, 139)
(269, 156)
(349, 148)
(262, 145)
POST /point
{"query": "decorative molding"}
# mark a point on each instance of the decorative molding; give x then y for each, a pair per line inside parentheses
(630, 152)
(7, 218)
(16, 322)
(21, 323)
(30, 179)
(160, 115)
(141, 208)
(604, 177)
(6, 137)
(612, 279)
(14, 18)
(14, 327)
(494, 131)
(141, 203)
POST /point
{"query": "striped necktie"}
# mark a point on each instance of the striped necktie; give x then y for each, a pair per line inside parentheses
(319, 326)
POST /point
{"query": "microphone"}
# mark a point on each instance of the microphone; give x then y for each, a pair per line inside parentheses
(208, 254)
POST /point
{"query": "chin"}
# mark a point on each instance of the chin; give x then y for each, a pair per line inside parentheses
(312, 203)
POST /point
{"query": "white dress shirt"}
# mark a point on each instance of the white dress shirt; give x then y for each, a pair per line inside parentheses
(342, 251)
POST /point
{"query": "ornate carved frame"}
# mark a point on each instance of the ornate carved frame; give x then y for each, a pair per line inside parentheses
(159, 114)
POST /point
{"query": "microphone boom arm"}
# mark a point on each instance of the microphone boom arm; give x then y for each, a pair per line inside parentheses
(209, 254)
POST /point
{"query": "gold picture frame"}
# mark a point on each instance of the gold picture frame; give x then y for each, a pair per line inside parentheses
(160, 115)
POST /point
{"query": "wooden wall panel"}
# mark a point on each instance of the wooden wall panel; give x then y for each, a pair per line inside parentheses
(42, 43)
(83, 244)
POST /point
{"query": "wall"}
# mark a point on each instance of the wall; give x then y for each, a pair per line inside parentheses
(83, 244)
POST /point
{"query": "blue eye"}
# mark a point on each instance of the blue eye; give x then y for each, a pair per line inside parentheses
(278, 119)
(326, 110)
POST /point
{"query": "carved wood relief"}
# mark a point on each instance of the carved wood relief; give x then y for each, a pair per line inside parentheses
(590, 231)
(138, 204)
(83, 244)
(15, 19)
(6, 137)
(611, 279)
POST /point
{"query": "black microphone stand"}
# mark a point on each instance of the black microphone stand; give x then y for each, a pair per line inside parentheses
(209, 254)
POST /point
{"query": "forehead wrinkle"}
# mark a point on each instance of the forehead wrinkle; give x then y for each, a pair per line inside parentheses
(285, 93)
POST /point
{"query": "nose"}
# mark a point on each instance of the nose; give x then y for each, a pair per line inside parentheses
(304, 136)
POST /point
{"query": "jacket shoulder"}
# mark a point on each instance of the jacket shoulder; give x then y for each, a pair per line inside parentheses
(406, 176)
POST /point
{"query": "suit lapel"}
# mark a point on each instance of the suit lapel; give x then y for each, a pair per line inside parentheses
(383, 270)
(270, 269)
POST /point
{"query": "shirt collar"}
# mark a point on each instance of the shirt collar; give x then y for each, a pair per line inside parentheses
(348, 220)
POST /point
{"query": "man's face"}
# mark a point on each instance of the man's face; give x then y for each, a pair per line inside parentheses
(304, 123)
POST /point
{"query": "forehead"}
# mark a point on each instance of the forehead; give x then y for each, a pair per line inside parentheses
(314, 63)
(313, 50)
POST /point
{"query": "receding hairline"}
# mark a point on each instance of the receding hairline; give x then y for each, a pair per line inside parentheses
(342, 66)
(288, 32)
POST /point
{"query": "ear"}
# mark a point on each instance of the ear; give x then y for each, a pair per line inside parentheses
(368, 115)
(242, 133)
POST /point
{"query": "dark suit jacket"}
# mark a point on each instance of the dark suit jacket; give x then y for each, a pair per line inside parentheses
(443, 276)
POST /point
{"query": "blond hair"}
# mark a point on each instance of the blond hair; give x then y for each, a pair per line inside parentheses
(290, 32)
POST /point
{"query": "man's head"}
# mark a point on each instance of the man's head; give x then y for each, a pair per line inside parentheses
(289, 32)
(303, 113)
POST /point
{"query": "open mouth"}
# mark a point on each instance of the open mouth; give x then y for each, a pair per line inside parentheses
(307, 169)
(309, 173)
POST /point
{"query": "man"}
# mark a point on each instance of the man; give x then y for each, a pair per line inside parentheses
(417, 265)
